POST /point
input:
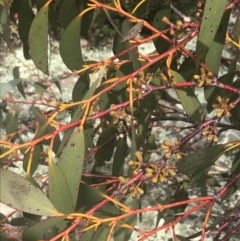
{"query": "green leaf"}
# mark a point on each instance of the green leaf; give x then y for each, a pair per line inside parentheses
(198, 164)
(6, 87)
(88, 197)
(81, 87)
(77, 115)
(67, 13)
(40, 88)
(161, 44)
(214, 55)
(16, 75)
(119, 157)
(37, 231)
(123, 233)
(25, 18)
(212, 15)
(189, 101)
(106, 142)
(147, 106)
(45, 129)
(19, 221)
(38, 39)
(58, 85)
(12, 124)
(234, 172)
(32, 164)
(59, 190)
(119, 46)
(70, 49)
(211, 93)
(71, 163)
(5, 23)
(18, 193)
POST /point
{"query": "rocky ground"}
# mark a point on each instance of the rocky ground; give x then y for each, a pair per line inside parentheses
(157, 193)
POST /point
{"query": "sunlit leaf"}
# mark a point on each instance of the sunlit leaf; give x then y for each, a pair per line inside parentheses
(17, 192)
(38, 39)
(212, 15)
(71, 163)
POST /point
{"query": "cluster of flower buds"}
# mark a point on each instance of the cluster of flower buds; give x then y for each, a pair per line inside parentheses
(211, 133)
(160, 174)
(133, 188)
(171, 149)
(120, 114)
(204, 78)
(224, 107)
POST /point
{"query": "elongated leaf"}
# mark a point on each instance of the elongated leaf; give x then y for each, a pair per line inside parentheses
(199, 163)
(59, 190)
(123, 233)
(81, 87)
(235, 171)
(17, 192)
(67, 13)
(190, 103)
(147, 105)
(212, 15)
(214, 55)
(70, 49)
(71, 163)
(165, 11)
(12, 125)
(25, 18)
(5, 22)
(6, 87)
(16, 75)
(77, 115)
(31, 159)
(119, 157)
(38, 39)
(45, 129)
(106, 142)
(119, 46)
(37, 231)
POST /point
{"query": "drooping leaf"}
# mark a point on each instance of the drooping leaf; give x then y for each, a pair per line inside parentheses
(38, 39)
(68, 11)
(12, 124)
(45, 129)
(214, 54)
(16, 75)
(147, 106)
(37, 231)
(88, 197)
(119, 46)
(17, 192)
(121, 153)
(71, 163)
(6, 87)
(77, 115)
(59, 190)
(70, 49)
(5, 23)
(198, 164)
(40, 88)
(212, 15)
(235, 170)
(123, 233)
(106, 142)
(165, 11)
(190, 102)
(31, 159)
(81, 87)
(25, 18)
